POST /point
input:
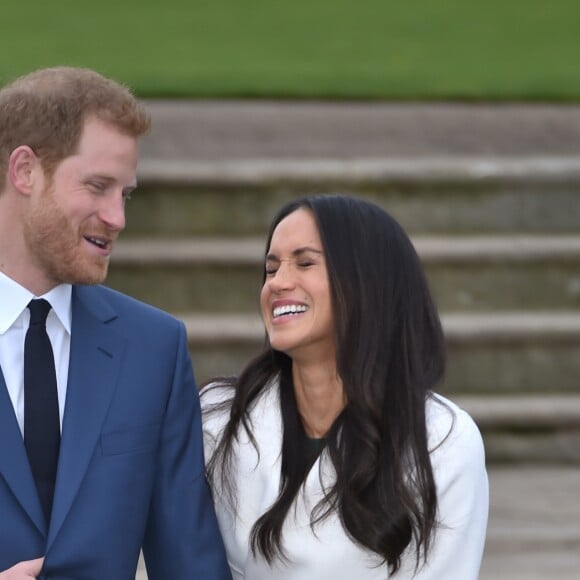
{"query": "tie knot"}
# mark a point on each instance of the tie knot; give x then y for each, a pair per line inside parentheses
(39, 310)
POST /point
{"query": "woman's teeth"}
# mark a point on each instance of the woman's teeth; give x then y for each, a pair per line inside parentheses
(288, 309)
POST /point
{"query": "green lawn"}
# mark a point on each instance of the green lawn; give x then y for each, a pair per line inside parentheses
(411, 49)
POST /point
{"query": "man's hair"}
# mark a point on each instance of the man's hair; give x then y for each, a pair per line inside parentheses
(47, 109)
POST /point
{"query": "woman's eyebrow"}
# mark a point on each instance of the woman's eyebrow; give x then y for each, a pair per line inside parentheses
(306, 250)
(296, 253)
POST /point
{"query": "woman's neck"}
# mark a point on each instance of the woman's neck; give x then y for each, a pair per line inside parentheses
(319, 397)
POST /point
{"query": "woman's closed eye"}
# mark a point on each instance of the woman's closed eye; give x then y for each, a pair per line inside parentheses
(271, 266)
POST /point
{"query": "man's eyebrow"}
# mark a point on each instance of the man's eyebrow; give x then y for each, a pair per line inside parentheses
(109, 179)
(97, 175)
(297, 252)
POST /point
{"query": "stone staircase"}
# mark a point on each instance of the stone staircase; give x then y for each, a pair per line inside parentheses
(500, 241)
(491, 198)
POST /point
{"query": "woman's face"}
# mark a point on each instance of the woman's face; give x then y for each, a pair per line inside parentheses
(295, 299)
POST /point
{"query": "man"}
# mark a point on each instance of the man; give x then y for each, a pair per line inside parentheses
(105, 458)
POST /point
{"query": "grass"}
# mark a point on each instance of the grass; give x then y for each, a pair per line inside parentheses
(332, 49)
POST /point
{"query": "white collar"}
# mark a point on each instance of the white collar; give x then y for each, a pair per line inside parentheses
(15, 299)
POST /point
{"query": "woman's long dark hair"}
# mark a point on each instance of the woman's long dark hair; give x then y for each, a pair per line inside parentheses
(390, 354)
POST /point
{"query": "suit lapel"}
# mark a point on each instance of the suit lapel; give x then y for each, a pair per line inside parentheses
(14, 466)
(95, 357)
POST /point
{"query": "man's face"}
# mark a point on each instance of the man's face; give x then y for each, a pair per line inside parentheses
(73, 222)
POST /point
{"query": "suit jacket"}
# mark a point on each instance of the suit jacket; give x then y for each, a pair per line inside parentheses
(327, 553)
(130, 471)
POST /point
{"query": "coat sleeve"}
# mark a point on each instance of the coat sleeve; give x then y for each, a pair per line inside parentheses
(182, 539)
(463, 502)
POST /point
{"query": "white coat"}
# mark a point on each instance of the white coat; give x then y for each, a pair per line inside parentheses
(327, 553)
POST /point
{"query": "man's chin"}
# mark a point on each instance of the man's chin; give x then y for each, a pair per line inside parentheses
(96, 279)
(88, 277)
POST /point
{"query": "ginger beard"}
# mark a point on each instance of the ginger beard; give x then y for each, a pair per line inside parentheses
(57, 245)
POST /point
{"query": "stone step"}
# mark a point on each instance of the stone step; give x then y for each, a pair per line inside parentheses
(205, 129)
(467, 273)
(457, 194)
(527, 428)
(489, 353)
(504, 168)
(534, 523)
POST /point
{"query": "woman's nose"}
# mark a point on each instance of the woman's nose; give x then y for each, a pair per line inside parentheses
(281, 279)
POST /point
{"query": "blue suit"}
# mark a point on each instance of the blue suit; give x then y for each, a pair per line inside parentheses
(131, 469)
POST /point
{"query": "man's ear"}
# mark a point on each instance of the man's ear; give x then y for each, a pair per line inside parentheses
(24, 169)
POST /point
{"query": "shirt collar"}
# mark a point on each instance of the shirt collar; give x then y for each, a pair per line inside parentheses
(60, 300)
(15, 299)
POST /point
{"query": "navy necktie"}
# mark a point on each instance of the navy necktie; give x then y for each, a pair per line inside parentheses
(41, 415)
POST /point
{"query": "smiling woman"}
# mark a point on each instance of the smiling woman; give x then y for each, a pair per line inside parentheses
(330, 456)
(295, 297)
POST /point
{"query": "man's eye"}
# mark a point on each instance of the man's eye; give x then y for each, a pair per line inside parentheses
(97, 186)
(127, 195)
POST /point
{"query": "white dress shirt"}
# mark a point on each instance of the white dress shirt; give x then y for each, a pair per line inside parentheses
(14, 321)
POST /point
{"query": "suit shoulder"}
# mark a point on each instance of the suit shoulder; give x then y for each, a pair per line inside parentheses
(132, 306)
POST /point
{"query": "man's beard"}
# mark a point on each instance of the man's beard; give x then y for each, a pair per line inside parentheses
(57, 247)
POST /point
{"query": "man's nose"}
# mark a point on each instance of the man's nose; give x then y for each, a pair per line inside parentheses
(113, 212)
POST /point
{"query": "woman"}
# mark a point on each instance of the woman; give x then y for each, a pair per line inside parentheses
(330, 456)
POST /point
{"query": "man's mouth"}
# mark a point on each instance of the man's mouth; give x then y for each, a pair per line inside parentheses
(100, 242)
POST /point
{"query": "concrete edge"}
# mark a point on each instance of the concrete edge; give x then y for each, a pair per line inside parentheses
(256, 172)
(432, 249)
(460, 329)
(508, 411)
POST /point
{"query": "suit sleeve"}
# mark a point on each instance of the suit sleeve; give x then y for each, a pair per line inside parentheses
(182, 539)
